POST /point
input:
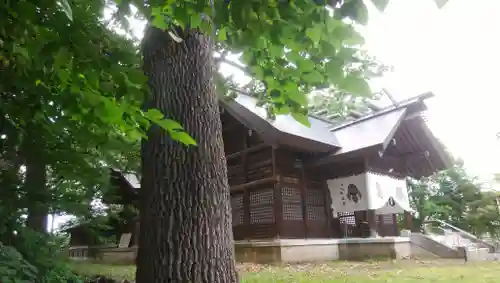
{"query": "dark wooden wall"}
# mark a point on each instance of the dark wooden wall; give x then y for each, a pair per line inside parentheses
(272, 194)
(304, 197)
(252, 181)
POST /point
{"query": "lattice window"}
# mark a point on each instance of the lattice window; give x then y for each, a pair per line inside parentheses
(387, 219)
(347, 218)
(316, 213)
(237, 209)
(290, 195)
(238, 217)
(292, 211)
(262, 197)
(315, 198)
(262, 214)
(237, 201)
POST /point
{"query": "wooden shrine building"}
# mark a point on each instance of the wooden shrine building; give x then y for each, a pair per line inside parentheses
(332, 180)
(338, 179)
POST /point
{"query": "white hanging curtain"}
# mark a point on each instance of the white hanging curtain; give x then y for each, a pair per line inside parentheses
(388, 194)
(382, 193)
(348, 194)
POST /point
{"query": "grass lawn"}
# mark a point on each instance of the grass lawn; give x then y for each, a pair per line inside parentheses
(441, 271)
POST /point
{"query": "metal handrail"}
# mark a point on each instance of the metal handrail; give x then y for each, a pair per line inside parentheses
(432, 230)
(461, 232)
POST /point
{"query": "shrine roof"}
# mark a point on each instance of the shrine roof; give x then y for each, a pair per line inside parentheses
(344, 137)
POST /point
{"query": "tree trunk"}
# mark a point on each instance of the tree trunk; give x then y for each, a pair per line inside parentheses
(35, 184)
(185, 233)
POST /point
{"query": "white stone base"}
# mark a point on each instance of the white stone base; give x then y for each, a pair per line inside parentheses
(303, 250)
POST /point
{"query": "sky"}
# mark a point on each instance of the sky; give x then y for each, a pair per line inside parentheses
(453, 52)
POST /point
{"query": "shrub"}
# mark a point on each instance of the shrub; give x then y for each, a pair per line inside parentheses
(14, 268)
(36, 258)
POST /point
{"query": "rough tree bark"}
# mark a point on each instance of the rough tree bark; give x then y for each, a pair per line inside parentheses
(37, 195)
(9, 180)
(185, 233)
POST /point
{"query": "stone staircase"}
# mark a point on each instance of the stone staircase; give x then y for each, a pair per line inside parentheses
(448, 241)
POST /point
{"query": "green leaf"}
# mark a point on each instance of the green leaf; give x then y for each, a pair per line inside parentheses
(440, 3)
(361, 12)
(135, 135)
(258, 72)
(354, 9)
(305, 65)
(64, 76)
(66, 9)
(346, 54)
(195, 21)
(169, 125)
(356, 85)
(248, 56)
(282, 110)
(156, 11)
(355, 38)
(113, 112)
(380, 4)
(334, 69)
(297, 96)
(154, 114)
(314, 33)
(276, 51)
(313, 77)
(21, 50)
(183, 137)
(301, 118)
(136, 77)
(159, 22)
(222, 34)
(62, 58)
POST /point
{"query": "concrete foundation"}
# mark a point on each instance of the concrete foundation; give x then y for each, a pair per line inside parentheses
(303, 250)
(292, 250)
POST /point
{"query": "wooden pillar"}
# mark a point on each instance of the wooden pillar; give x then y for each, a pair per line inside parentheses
(395, 226)
(303, 194)
(246, 212)
(246, 191)
(273, 153)
(328, 208)
(408, 220)
(372, 222)
(380, 226)
(278, 206)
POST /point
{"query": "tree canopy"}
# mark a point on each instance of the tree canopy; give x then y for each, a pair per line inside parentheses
(457, 198)
(72, 88)
(288, 48)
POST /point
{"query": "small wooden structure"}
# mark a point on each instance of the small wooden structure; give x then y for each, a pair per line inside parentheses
(124, 192)
(288, 181)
